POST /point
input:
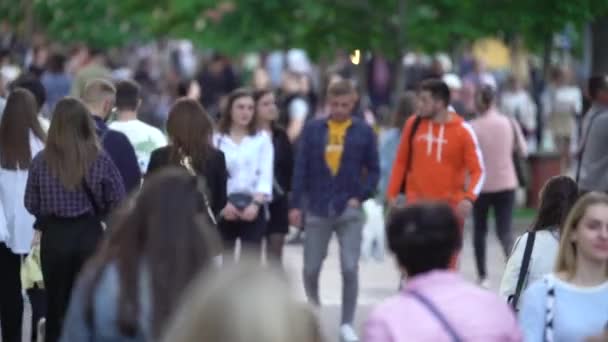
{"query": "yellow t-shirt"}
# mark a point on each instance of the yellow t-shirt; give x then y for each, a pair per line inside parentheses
(335, 144)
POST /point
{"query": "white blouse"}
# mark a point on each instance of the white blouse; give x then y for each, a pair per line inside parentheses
(16, 223)
(250, 163)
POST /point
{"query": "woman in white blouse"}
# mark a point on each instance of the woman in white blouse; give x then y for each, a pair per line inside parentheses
(21, 138)
(249, 158)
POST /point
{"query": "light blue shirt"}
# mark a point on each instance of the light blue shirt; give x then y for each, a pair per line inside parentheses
(579, 312)
(389, 142)
(104, 327)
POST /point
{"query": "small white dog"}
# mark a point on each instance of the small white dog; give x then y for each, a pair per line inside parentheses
(373, 244)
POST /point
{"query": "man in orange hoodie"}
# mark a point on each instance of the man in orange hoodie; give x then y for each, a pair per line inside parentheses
(438, 158)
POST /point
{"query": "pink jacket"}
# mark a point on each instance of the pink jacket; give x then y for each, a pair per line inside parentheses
(475, 314)
(496, 140)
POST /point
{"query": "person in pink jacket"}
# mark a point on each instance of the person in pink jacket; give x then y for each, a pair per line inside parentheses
(435, 304)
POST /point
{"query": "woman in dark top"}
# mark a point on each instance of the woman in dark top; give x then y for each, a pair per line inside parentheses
(190, 132)
(278, 222)
(69, 202)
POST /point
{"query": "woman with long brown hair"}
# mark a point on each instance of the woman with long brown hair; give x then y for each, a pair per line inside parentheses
(278, 209)
(249, 158)
(72, 186)
(21, 138)
(133, 284)
(190, 132)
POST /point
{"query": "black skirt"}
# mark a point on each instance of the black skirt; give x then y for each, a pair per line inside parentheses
(278, 220)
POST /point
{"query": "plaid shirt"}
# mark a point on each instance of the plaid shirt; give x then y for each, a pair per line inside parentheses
(46, 196)
(327, 195)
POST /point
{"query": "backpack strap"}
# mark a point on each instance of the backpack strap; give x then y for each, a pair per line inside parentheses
(436, 313)
(523, 271)
(410, 147)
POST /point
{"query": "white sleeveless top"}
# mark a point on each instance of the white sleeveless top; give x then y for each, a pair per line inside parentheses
(16, 223)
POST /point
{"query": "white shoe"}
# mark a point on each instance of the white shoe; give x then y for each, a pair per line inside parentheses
(348, 334)
(485, 283)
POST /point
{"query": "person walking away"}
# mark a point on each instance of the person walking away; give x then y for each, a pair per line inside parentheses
(69, 203)
(56, 81)
(562, 104)
(437, 152)
(190, 132)
(250, 160)
(93, 67)
(390, 138)
(278, 208)
(423, 238)
(34, 86)
(516, 103)
(136, 280)
(99, 96)
(258, 296)
(499, 137)
(571, 304)
(336, 170)
(592, 172)
(143, 137)
(557, 197)
(21, 138)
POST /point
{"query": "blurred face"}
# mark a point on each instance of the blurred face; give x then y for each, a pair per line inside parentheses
(428, 107)
(242, 111)
(267, 108)
(591, 234)
(340, 107)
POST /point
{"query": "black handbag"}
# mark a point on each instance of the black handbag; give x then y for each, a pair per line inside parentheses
(240, 200)
(519, 162)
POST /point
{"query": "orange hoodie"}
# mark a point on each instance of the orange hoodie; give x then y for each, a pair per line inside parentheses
(442, 157)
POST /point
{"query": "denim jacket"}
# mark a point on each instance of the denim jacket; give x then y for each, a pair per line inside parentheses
(327, 195)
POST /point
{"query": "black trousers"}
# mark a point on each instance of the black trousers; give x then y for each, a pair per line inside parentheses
(251, 234)
(11, 299)
(65, 246)
(37, 298)
(502, 203)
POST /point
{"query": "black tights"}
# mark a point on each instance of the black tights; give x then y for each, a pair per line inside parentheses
(503, 203)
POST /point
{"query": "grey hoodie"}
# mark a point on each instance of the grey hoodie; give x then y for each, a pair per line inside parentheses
(594, 162)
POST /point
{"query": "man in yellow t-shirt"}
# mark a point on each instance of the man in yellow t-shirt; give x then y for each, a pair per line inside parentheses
(336, 169)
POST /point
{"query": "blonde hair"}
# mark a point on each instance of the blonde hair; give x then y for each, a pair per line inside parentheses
(566, 258)
(243, 303)
(97, 90)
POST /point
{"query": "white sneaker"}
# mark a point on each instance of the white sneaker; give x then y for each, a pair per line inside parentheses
(348, 334)
(485, 283)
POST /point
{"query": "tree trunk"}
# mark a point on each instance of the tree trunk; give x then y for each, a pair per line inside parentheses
(401, 41)
(547, 49)
(599, 54)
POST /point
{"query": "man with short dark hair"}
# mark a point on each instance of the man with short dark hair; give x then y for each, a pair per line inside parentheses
(336, 170)
(437, 152)
(439, 303)
(592, 172)
(144, 138)
(99, 96)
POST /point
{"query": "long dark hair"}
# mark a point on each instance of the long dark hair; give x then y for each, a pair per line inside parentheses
(556, 199)
(19, 119)
(166, 234)
(226, 119)
(257, 96)
(190, 130)
(72, 141)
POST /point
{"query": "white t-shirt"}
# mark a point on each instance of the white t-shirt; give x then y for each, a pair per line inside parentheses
(143, 137)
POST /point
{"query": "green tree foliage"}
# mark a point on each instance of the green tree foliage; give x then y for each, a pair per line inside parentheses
(319, 26)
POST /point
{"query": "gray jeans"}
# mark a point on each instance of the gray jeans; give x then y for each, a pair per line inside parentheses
(319, 230)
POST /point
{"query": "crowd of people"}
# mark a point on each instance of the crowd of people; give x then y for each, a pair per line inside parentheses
(147, 236)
